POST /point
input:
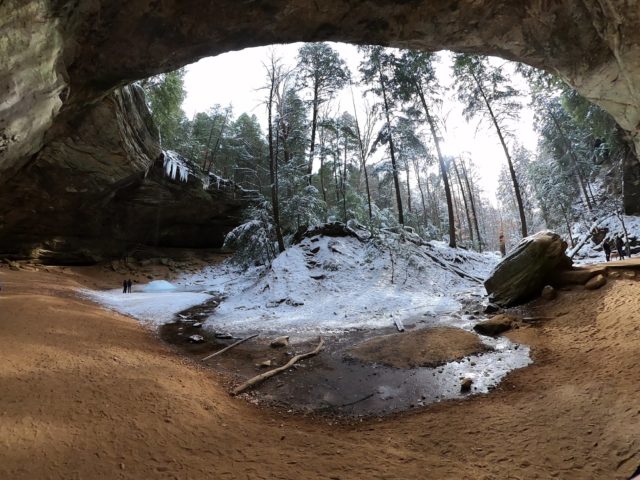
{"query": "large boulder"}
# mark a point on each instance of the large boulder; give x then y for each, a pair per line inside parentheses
(523, 273)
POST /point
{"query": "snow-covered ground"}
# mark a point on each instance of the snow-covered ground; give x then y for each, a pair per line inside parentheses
(323, 284)
(150, 307)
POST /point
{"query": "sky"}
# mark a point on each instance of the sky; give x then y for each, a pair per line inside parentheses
(236, 78)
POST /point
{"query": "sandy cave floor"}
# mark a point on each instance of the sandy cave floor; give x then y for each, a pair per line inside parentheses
(88, 393)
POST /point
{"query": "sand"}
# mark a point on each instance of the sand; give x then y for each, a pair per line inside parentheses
(87, 393)
(421, 348)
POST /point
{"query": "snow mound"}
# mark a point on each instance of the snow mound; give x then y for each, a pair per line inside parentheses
(159, 286)
(331, 284)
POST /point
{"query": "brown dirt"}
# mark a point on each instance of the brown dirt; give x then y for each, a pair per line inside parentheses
(87, 393)
(419, 348)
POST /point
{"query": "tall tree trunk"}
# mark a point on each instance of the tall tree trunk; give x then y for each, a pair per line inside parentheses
(273, 170)
(363, 155)
(206, 150)
(464, 199)
(344, 181)
(473, 204)
(574, 159)
(433, 205)
(421, 190)
(314, 123)
(336, 163)
(214, 151)
(406, 169)
(512, 172)
(456, 211)
(394, 166)
(443, 167)
(568, 223)
(321, 172)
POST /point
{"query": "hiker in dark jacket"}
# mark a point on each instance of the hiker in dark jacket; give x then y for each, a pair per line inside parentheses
(620, 247)
(607, 249)
(124, 286)
(129, 286)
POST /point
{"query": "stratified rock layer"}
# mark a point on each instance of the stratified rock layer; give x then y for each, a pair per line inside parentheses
(103, 189)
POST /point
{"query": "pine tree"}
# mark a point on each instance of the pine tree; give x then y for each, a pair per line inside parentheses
(416, 81)
(321, 69)
(487, 93)
(377, 72)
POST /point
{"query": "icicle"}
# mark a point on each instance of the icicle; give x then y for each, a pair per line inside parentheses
(175, 166)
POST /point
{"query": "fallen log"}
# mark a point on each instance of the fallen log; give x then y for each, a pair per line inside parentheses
(263, 376)
(215, 354)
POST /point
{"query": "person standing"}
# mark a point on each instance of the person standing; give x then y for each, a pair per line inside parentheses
(620, 247)
(124, 286)
(606, 247)
(129, 283)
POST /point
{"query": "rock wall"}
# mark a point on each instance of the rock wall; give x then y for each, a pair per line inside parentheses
(101, 189)
(63, 59)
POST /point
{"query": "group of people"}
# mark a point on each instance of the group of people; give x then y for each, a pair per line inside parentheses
(126, 286)
(606, 247)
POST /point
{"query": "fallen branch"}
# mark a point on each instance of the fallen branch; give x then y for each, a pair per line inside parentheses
(357, 401)
(451, 268)
(399, 324)
(263, 376)
(229, 347)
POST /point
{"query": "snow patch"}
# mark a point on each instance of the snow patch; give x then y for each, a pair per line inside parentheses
(158, 286)
(156, 307)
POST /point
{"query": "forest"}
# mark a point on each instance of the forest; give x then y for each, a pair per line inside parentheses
(378, 159)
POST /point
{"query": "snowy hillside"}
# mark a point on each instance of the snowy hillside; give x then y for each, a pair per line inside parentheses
(324, 284)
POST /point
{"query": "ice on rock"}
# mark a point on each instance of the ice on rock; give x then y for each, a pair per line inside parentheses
(159, 286)
(175, 166)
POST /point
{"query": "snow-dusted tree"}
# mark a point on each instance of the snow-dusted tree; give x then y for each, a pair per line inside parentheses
(364, 132)
(416, 82)
(247, 146)
(253, 241)
(411, 150)
(472, 200)
(521, 161)
(487, 93)
(555, 192)
(377, 72)
(276, 76)
(303, 209)
(321, 70)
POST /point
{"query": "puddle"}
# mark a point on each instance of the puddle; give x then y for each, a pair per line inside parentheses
(335, 383)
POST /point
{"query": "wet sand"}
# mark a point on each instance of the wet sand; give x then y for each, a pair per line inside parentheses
(88, 393)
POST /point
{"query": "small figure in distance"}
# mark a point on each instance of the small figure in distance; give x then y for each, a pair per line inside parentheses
(620, 247)
(606, 247)
(129, 283)
(124, 286)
